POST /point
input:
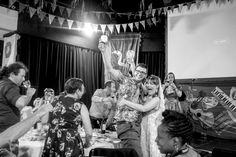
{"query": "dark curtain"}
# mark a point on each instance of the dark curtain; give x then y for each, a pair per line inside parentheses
(1, 51)
(51, 63)
(155, 62)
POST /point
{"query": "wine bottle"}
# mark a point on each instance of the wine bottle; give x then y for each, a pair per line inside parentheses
(103, 126)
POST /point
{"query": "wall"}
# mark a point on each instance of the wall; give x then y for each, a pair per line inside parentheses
(8, 21)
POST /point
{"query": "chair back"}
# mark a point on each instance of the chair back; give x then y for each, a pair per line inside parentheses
(113, 152)
(222, 152)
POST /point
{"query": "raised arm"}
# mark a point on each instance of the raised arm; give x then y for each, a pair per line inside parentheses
(139, 107)
(105, 49)
(19, 129)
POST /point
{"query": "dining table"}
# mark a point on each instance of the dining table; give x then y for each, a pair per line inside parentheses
(32, 143)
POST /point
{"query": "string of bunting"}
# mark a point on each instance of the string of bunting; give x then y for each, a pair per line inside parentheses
(150, 14)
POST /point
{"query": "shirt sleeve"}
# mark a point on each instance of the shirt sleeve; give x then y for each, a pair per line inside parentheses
(12, 94)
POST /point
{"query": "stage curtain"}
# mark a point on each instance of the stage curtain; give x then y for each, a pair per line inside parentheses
(51, 63)
(155, 61)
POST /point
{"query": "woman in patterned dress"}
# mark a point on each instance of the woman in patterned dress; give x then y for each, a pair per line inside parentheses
(152, 110)
(63, 139)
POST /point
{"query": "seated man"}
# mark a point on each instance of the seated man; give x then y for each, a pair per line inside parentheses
(102, 102)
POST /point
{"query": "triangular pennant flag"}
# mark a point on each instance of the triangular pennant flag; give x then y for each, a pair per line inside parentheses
(208, 3)
(159, 11)
(45, 2)
(103, 15)
(150, 9)
(61, 9)
(32, 11)
(36, 2)
(11, 2)
(131, 26)
(97, 15)
(70, 22)
(21, 7)
(137, 25)
(124, 27)
(143, 23)
(109, 15)
(61, 20)
(140, 14)
(153, 12)
(53, 5)
(111, 27)
(165, 10)
(103, 27)
(198, 3)
(149, 22)
(172, 8)
(147, 13)
(154, 20)
(142, 5)
(129, 15)
(51, 18)
(41, 15)
(41, 4)
(180, 7)
(118, 28)
(68, 11)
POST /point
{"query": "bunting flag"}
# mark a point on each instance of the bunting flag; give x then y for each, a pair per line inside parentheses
(60, 20)
(21, 7)
(143, 23)
(36, 2)
(70, 22)
(118, 28)
(131, 26)
(51, 18)
(32, 11)
(41, 15)
(61, 9)
(137, 25)
(9, 49)
(103, 27)
(11, 2)
(111, 28)
(124, 27)
(150, 13)
(68, 11)
(154, 20)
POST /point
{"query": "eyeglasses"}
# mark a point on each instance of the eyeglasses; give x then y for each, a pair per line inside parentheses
(141, 72)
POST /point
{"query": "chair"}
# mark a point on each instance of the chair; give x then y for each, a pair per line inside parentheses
(111, 152)
(222, 152)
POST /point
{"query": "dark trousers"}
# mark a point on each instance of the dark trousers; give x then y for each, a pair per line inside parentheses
(129, 134)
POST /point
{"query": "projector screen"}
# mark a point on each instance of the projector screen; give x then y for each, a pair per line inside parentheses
(202, 41)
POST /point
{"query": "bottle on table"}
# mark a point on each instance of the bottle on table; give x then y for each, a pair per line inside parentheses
(103, 126)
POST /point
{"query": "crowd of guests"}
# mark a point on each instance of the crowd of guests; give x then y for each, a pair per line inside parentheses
(146, 112)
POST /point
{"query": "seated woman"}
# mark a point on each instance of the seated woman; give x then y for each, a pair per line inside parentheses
(152, 109)
(173, 135)
(63, 139)
(172, 93)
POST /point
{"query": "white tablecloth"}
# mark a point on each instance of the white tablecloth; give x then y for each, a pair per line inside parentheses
(35, 148)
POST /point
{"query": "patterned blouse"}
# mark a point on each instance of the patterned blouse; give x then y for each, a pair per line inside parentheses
(130, 90)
